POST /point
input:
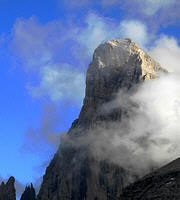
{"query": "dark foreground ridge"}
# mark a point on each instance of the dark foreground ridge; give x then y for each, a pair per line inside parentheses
(164, 184)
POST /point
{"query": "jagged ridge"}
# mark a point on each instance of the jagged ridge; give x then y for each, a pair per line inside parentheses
(7, 191)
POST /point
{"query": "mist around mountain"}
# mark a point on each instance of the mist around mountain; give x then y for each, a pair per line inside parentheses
(126, 131)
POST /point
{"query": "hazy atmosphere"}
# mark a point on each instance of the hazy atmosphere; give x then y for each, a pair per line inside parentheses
(45, 50)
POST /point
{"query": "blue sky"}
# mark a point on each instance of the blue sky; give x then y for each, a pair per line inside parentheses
(45, 48)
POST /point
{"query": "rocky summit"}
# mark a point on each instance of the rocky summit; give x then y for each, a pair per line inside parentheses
(117, 64)
(74, 173)
(7, 191)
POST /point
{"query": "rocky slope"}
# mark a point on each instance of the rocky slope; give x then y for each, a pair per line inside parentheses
(164, 184)
(74, 173)
(7, 191)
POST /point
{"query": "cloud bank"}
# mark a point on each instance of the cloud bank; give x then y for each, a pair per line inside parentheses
(149, 137)
(167, 52)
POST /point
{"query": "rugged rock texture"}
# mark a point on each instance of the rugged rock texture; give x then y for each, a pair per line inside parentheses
(116, 64)
(29, 193)
(74, 173)
(7, 191)
(164, 184)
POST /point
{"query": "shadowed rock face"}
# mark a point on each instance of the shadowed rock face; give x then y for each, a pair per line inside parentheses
(74, 173)
(7, 191)
(29, 193)
(164, 184)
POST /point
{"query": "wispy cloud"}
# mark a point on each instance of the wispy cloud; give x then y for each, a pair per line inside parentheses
(47, 133)
(100, 29)
(33, 42)
(60, 83)
(167, 52)
(150, 7)
(147, 7)
(19, 188)
(147, 11)
(40, 49)
(135, 30)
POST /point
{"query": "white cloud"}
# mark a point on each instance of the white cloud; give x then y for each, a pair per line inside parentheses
(135, 30)
(33, 42)
(101, 29)
(60, 83)
(146, 7)
(159, 101)
(150, 7)
(149, 137)
(39, 47)
(47, 132)
(167, 52)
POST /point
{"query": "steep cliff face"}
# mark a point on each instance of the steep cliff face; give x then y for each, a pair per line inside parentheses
(74, 173)
(7, 191)
(117, 64)
(29, 193)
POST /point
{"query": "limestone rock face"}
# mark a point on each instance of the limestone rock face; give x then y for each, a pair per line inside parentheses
(116, 64)
(7, 191)
(29, 193)
(74, 173)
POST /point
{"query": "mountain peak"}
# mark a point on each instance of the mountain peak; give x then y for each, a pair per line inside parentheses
(75, 173)
(116, 53)
(11, 181)
(116, 64)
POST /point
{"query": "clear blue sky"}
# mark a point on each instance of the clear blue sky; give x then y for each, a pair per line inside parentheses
(45, 48)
